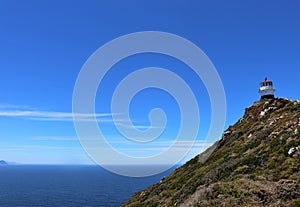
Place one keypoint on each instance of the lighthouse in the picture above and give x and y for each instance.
(266, 89)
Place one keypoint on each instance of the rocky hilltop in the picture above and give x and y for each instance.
(256, 163)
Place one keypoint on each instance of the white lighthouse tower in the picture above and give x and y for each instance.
(266, 89)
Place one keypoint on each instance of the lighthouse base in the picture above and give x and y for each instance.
(270, 96)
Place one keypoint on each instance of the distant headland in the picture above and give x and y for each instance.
(2, 162)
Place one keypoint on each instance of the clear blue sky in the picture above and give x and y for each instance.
(43, 45)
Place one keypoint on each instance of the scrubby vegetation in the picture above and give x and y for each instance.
(249, 167)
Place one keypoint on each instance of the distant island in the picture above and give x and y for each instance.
(2, 162)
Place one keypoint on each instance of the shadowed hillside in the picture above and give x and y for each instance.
(256, 163)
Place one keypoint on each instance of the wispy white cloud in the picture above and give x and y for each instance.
(54, 138)
(12, 106)
(158, 145)
(140, 126)
(166, 142)
(29, 113)
(62, 138)
(26, 112)
(36, 147)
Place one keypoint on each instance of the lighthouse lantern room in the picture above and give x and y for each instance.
(266, 89)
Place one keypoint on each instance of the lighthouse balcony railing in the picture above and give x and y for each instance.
(266, 87)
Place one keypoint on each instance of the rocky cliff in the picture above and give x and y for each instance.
(256, 163)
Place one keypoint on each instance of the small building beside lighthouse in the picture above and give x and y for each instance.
(266, 89)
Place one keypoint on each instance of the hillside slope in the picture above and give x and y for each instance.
(256, 163)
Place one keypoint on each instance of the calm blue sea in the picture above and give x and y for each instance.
(67, 186)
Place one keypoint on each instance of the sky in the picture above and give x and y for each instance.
(44, 45)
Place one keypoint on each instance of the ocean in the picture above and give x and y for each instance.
(67, 186)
